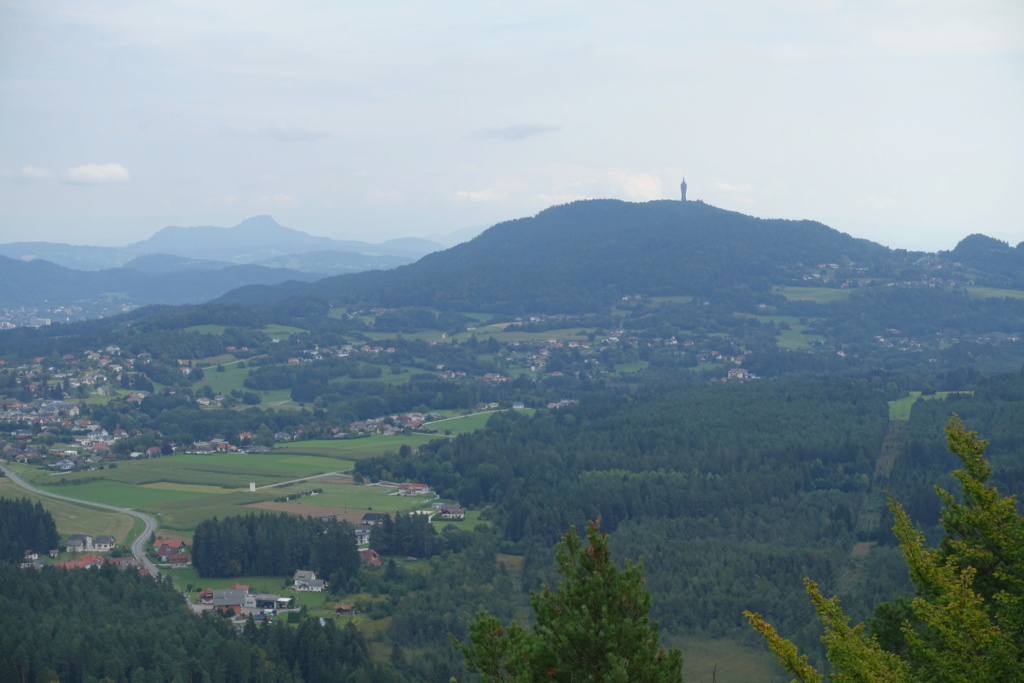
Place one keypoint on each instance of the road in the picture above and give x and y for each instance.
(138, 545)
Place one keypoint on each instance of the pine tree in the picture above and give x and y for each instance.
(966, 622)
(594, 627)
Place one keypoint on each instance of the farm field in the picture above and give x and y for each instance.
(355, 449)
(794, 338)
(821, 295)
(992, 292)
(72, 518)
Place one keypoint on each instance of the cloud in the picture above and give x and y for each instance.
(35, 173)
(489, 194)
(519, 132)
(278, 198)
(98, 174)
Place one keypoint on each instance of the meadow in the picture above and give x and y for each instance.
(821, 295)
(992, 292)
(71, 519)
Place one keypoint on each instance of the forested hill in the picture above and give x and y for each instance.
(577, 256)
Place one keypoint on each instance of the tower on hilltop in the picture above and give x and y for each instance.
(682, 189)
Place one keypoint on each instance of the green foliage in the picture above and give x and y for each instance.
(595, 627)
(25, 526)
(274, 545)
(966, 622)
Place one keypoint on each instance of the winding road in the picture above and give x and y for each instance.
(138, 545)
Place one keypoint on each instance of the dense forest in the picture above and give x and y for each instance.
(694, 482)
(113, 625)
(25, 526)
(268, 544)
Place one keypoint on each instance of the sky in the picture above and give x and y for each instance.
(899, 121)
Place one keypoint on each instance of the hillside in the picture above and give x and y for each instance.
(156, 281)
(576, 256)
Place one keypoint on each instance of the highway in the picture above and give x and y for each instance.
(138, 545)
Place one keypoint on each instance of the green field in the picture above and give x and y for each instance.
(72, 518)
(992, 292)
(794, 338)
(359, 497)
(900, 409)
(123, 495)
(282, 330)
(355, 449)
(821, 295)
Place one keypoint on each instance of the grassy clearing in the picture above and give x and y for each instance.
(705, 659)
(794, 338)
(992, 292)
(629, 368)
(282, 330)
(900, 408)
(672, 299)
(821, 295)
(72, 518)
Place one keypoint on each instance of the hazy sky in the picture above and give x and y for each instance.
(898, 121)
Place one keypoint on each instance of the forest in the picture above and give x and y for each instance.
(25, 526)
(267, 544)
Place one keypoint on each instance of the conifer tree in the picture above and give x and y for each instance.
(594, 627)
(966, 622)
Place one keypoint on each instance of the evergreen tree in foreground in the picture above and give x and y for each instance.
(594, 628)
(966, 622)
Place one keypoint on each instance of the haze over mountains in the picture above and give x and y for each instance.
(188, 265)
(575, 256)
(565, 258)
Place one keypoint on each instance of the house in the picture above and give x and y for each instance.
(307, 581)
(87, 561)
(453, 512)
(124, 562)
(179, 561)
(370, 557)
(363, 533)
(412, 489)
(103, 543)
(345, 609)
(372, 518)
(206, 596)
(175, 544)
(229, 600)
(78, 543)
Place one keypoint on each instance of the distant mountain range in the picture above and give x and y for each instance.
(188, 265)
(567, 258)
(259, 240)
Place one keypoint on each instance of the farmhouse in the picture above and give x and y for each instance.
(453, 512)
(412, 489)
(370, 557)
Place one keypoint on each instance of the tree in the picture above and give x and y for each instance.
(595, 627)
(966, 622)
